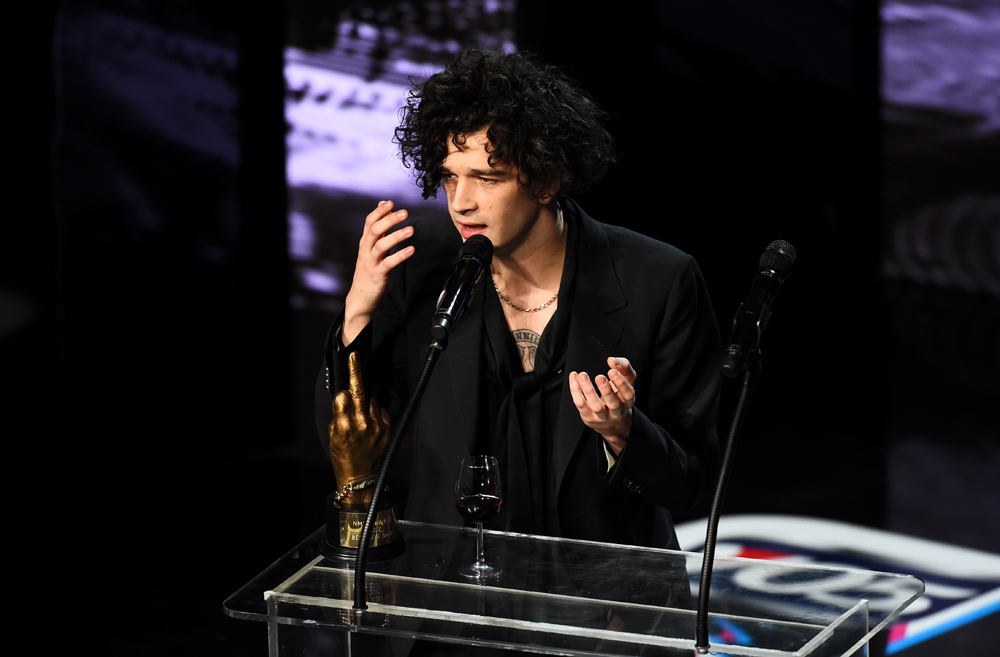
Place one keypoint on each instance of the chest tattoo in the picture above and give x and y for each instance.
(527, 344)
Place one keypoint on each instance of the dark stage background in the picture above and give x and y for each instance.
(163, 313)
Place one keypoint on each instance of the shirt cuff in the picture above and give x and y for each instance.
(607, 453)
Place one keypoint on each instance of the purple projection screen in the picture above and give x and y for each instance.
(344, 90)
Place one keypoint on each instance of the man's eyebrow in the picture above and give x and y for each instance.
(481, 172)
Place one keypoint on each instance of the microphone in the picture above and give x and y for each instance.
(473, 259)
(752, 316)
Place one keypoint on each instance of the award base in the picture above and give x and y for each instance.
(343, 531)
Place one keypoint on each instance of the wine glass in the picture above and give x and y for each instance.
(478, 495)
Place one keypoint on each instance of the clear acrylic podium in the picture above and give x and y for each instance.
(566, 597)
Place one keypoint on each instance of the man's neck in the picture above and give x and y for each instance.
(535, 266)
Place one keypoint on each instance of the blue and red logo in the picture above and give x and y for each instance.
(962, 585)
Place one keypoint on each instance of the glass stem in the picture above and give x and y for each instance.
(480, 557)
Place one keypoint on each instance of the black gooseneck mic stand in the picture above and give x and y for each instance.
(742, 355)
(360, 563)
(474, 257)
(750, 375)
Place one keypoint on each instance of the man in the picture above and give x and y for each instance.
(598, 458)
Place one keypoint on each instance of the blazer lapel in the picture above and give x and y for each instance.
(593, 337)
(447, 419)
(457, 379)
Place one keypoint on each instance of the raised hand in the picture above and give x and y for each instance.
(359, 435)
(607, 409)
(371, 273)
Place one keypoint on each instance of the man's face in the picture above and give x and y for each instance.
(485, 200)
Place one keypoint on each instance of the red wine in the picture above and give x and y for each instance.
(478, 508)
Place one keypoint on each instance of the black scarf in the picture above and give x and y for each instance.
(523, 407)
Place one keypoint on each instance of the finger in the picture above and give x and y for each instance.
(379, 222)
(399, 256)
(623, 366)
(383, 208)
(341, 403)
(576, 392)
(380, 420)
(593, 399)
(382, 227)
(385, 244)
(343, 408)
(608, 396)
(356, 384)
(625, 390)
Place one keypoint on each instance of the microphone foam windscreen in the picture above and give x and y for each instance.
(478, 247)
(779, 256)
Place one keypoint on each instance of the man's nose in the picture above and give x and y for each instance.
(463, 200)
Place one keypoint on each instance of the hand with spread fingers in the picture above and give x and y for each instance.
(375, 260)
(359, 436)
(607, 409)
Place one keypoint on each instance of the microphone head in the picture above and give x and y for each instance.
(479, 248)
(779, 256)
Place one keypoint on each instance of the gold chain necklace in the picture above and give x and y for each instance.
(523, 310)
(559, 221)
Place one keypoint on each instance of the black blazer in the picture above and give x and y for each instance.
(634, 297)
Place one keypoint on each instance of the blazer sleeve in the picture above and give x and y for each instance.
(384, 347)
(379, 354)
(672, 453)
(333, 374)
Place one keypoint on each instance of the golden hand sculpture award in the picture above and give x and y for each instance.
(359, 435)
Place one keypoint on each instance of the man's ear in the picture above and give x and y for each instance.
(553, 190)
(551, 193)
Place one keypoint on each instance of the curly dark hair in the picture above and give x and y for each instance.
(535, 119)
